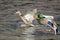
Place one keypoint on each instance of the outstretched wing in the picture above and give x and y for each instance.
(18, 12)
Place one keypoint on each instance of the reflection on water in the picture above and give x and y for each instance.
(29, 37)
(29, 30)
(28, 33)
(31, 34)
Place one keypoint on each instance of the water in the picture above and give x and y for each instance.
(10, 23)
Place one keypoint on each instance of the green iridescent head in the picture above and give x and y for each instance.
(41, 16)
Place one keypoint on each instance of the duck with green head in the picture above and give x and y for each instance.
(47, 20)
(39, 16)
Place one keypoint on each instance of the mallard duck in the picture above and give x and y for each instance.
(42, 19)
(47, 20)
